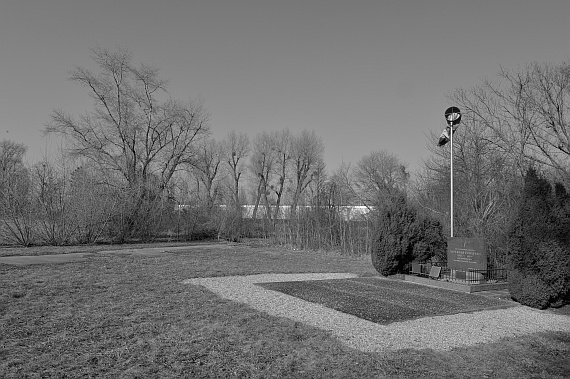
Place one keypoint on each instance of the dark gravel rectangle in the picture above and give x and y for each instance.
(384, 301)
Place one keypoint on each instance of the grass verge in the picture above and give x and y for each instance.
(129, 316)
(9, 251)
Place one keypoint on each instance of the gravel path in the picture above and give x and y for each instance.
(438, 333)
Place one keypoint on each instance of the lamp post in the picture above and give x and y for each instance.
(452, 118)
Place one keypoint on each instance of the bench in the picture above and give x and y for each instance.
(434, 272)
(416, 269)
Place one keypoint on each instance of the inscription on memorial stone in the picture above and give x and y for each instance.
(466, 253)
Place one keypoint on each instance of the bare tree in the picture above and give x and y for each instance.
(207, 169)
(17, 210)
(11, 158)
(342, 188)
(52, 182)
(307, 157)
(378, 177)
(282, 146)
(527, 111)
(135, 128)
(318, 187)
(262, 164)
(236, 149)
(11, 165)
(92, 203)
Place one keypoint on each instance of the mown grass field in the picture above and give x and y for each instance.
(131, 317)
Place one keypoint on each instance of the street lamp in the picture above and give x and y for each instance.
(452, 118)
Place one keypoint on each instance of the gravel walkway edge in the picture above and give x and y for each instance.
(438, 333)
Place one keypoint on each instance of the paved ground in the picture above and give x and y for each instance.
(39, 259)
(77, 257)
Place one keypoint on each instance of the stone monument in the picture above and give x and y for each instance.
(465, 255)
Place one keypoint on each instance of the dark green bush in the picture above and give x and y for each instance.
(428, 240)
(539, 251)
(528, 289)
(401, 236)
(553, 267)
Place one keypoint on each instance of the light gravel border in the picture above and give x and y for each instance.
(438, 332)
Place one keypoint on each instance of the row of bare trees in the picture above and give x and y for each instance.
(138, 154)
(66, 201)
(58, 202)
(62, 201)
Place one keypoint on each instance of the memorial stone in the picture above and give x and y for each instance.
(466, 253)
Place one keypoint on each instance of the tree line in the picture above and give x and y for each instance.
(141, 165)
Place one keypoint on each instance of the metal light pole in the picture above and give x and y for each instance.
(453, 118)
(451, 172)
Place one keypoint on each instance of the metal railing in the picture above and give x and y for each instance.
(471, 276)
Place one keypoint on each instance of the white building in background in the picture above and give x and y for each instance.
(346, 212)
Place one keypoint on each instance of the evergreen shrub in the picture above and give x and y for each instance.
(528, 289)
(539, 247)
(401, 235)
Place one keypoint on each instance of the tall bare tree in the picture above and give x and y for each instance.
(92, 203)
(527, 111)
(282, 146)
(262, 165)
(236, 149)
(207, 169)
(378, 177)
(307, 157)
(17, 208)
(52, 180)
(11, 165)
(341, 187)
(11, 158)
(135, 129)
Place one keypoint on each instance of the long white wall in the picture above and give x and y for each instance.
(347, 212)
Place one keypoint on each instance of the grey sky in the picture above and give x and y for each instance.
(365, 75)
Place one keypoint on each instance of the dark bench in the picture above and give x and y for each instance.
(416, 269)
(421, 269)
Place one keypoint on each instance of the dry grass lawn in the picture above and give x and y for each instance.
(124, 316)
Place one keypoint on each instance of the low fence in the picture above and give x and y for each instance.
(470, 276)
